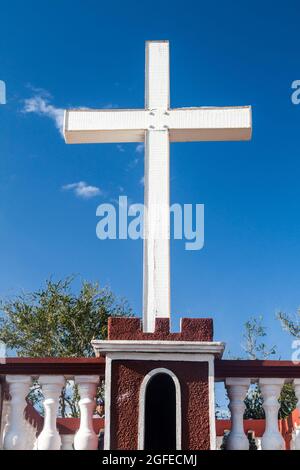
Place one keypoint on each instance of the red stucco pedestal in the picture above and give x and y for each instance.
(134, 358)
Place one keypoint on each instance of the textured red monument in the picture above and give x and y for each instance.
(159, 386)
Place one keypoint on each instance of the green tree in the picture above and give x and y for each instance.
(55, 321)
(255, 348)
(253, 345)
(289, 324)
(292, 326)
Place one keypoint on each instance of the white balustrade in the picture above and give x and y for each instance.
(270, 389)
(86, 438)
(17, 434)
(49, 439)
(237, 390)
(15, 437)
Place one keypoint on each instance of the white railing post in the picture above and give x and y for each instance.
(5, 420)
(237, 390)
(49, 439)
(270, 389)
(258, 443)
(219, 442)
(86, 438)
(15, 431)
(296, 440)
(67, 441)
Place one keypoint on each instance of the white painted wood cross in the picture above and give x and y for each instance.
(157, 125)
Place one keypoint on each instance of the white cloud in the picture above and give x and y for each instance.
(140, 147)
(38, 91)
(110, 106)
(83, 190)
(120, 148)
(142, 181)
(133, 163)
(39, 104)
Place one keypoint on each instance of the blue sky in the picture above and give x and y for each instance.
(61, 54)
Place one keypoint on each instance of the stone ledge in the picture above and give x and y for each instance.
(157, 349)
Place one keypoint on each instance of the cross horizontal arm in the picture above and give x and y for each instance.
(184, 124)
(104, 126)
(210, 124)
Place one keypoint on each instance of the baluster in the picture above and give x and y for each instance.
(258, 443)
(296, 440)
(67, 441)
(49, 439)
(15, 431)
(237, 390)
(219, 442)
(86, 438)
(31, 435)
(270, 389)
(5, 413)
(5, 420)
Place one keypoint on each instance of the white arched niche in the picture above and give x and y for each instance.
(142, 404)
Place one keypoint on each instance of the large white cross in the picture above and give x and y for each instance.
(157, 125)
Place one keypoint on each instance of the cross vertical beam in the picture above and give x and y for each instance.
(157, 75)
(156, 301)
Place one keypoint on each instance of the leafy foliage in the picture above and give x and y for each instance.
(253, 403)
(56, 322)
(255, 348)
(287, 400)
(289, 324)
(252, 344)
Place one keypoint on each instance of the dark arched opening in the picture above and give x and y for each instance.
(160, 413)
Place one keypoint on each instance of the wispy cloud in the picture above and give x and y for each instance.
(40, 104)
(140, 147)
(120, 148)
(133, 163)
(142, 181)
(110, 106)
(82, 189)
(38, 90)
